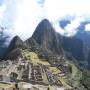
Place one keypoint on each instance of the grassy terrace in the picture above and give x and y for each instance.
(34, 58)
(54, 70)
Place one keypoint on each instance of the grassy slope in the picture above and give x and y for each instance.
(34, 58)
(86, 78)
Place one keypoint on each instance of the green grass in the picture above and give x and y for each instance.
(76, 73)
(34, 58)
(86, 78)
(54, 70)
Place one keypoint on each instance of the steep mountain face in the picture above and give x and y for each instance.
(89, 59)
(46, 37)
(14, 54)
(32, 44)
(84, 36)
(76, 48)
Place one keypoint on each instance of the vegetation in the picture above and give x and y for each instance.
(54, 70)
(76, 73)
(86, 78)
(34, 57)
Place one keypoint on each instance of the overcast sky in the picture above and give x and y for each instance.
(22, 16)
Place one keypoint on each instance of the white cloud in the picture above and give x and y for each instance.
(59, 8)
(24, 15)
(58, 28)
(28, 16)
(21, 17)
(2, 10)
(71, 29)
(87, 27)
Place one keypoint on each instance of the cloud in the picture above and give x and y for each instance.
(56, 9)
(22, 16)
(2, 10)
(71, 29)
(87, 27)
(10, 13)
(76, 11)
(29, 15)
(41, 2)
(3, 37)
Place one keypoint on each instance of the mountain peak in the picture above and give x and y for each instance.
(43, 31)
(16, 42)
(44, 25)
(45, 21)
(16, 37)
(46, 37)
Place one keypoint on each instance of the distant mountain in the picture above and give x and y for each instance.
(14, 48)
(76, 47)
(84, 36)
(16, 42)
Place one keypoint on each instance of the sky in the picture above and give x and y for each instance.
(21, 17)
